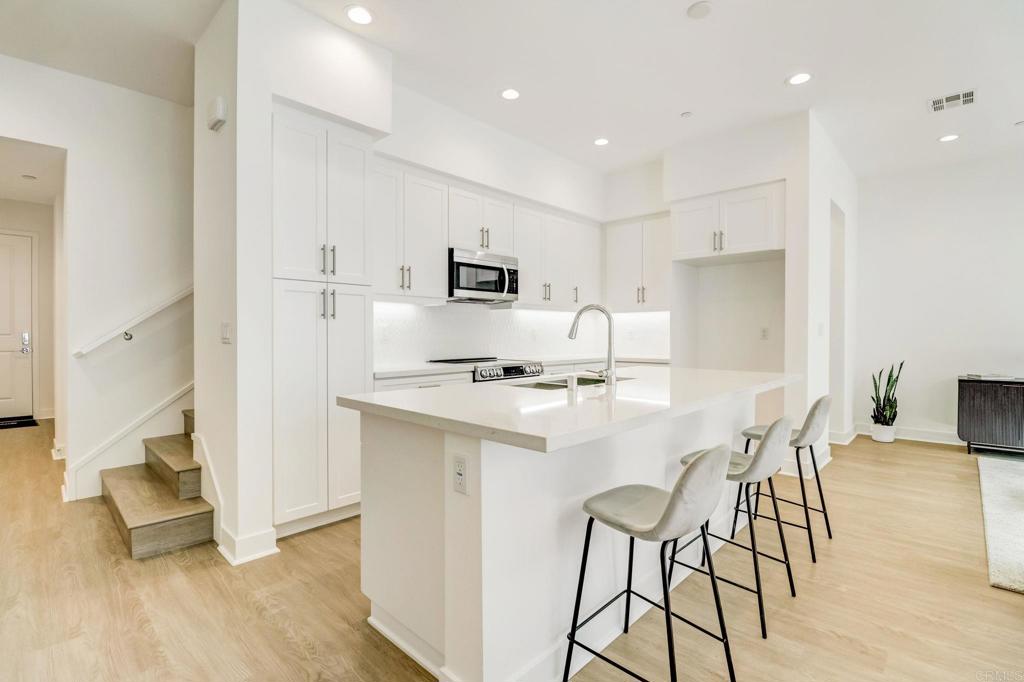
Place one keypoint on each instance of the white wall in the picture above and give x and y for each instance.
(939, 280)
(37, 219)
(430, 134)
(634, 191)
(406, 334)
(216, 439)
(127, 233)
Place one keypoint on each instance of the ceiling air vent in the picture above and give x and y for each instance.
(958, 99)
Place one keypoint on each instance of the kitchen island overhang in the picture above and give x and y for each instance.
(471, 502)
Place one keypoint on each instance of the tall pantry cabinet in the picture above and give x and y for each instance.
(322, 311)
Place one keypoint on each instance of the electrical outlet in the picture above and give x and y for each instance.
(459, 476)
(227, 331)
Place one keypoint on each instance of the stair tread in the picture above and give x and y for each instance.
(142, 498)
(175, 451)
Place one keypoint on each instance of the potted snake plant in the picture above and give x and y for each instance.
(884, 399)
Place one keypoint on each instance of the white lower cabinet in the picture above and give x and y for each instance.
(321, 350)
(422, 381)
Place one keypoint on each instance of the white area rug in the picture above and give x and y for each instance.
(1002, 502)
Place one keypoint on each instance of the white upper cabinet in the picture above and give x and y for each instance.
(384, 216)
(638, 272)
(319, 183)
(426, 237)
(741, 221)
(624, 274)
(300, 195)
(529, 230)
(479, 223)
(558, 259)
(587, 263)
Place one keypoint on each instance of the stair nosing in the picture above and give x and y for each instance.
(156, 444)
(179, 508)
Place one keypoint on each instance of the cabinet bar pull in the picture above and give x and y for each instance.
(408, 268)
(401, 275)
(575, 294)
(323, 301)
(323, 259)
(721, 240)
(481, 236)
(334, 304)
(638, 294)
(428, 386)
(487, 233)
(643, 294)
(334, 260)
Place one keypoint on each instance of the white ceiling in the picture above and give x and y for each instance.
(44, 162)
(144, 45)
(622, 70)
(625, 70)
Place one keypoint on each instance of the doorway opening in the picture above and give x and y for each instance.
(31, 302)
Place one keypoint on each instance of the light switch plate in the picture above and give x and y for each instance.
(226, 332)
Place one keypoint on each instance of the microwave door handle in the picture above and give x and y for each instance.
(505, 271)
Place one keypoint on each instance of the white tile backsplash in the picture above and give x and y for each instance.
(404, 333)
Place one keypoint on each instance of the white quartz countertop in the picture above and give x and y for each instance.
(549, 420)
(418, 369)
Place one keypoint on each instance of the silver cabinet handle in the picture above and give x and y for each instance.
(481, 236)
(714, 241)
(323, 259)
(643, 294)
(323, 301)
(487, 233)
(575, 294)
(721, 240)
(638, 294)
(334, 304)
(428, 386)
(401, 277)
(408, 269)
(334, 260)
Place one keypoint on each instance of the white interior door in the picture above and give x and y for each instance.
(347, 234)
(299, 195)
(350, 371)
(300, 399)
(15, 326)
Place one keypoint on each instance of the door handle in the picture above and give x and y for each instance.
(323, 259)
(323, 300)
(334, 304)
(334, 260)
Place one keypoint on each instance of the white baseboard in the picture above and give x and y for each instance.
(840, 438)
(317, 520)
(945, 437)
(242, 550)
(44, 413)
(57, 453)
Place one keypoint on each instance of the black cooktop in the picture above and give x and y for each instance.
(464, 361)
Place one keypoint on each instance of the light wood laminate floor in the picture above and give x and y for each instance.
(900, 594)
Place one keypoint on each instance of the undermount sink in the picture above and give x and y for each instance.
(556, 384)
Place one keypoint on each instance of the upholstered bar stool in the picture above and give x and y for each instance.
(750, 470)
(656, 515)
(806, 437)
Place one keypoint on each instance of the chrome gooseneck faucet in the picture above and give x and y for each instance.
(608, 373)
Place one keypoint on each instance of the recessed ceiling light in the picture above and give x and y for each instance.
(949, 138)
(600, 142)
(686, 114)
(798, 78)
(699, 10)
(359, 15)
(26, 176)
(510, 94)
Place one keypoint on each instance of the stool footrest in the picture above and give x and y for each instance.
(609, 661)
(792, 502)
(717, 577)
(742, 546)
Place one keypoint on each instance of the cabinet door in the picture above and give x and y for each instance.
(349, 367)
(499, 235)
(465, 220)
(751, 218)
(347, 234)
(992, 413)
(588, 264)
(657, 283)
(694, 228)
(558, 261)
(300, 399)
(386, 225)
(426, 237)
(529, 226)
(299, 195)
(624, 257)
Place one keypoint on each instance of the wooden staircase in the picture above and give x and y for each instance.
(157, 505)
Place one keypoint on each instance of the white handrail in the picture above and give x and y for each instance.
(135, 321)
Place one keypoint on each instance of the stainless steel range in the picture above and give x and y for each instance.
(497, 369)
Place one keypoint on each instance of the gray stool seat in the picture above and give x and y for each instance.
(738, 464)
(757, 433)
(631, 509)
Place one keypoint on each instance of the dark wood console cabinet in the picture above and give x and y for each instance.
(991, 413)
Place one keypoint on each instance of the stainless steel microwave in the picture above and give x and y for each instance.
(480, 277)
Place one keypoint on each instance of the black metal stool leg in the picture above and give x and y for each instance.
(629, 583)
(757, 501)
(757, 567)
(718, 603)
(704, 527)
(736, 511)
(579, 598)
(782, 537)
(821, 493)
(807, 511)
(672, 565)
(668, 615)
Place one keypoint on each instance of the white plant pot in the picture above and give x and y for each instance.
(883, 434)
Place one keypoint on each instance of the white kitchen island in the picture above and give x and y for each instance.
(479, 585)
